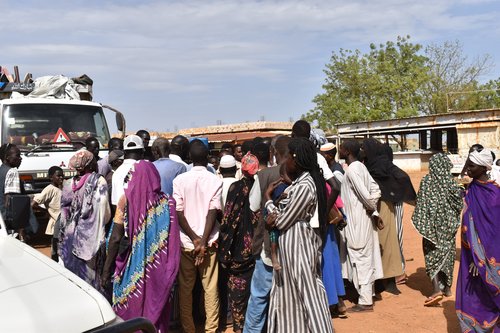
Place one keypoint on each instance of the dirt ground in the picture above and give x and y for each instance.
(404, 312)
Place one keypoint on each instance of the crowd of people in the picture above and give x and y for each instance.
(275, 232)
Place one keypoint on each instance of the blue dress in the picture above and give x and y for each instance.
(331, 269)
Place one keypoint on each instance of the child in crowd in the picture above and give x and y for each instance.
(215, 161)
(50, 198)
(278, 195)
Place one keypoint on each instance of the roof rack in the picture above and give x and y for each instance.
(7, 88)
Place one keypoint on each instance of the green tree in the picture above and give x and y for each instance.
(400, 79)
(490, 95)
(382, 84)
(450, 74)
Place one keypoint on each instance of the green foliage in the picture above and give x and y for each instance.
(453, 80)
(399, 79)
(477, 97)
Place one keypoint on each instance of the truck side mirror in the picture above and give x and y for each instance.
(120, 121)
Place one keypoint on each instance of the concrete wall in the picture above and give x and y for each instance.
(487, 134)
(411, 161)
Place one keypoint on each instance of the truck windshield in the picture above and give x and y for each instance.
(32, 125)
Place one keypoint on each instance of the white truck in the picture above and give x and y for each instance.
(39, 295)
(49, 130)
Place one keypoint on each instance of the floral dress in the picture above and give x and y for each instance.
(437, 217)
(235, 247)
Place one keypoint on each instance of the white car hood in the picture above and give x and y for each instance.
(39, 295)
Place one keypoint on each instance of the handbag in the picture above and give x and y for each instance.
(335, 216)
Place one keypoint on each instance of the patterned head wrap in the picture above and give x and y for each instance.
(483, 158)
(249, 165)
(440, 166)
(437, 213)
(80, 160)
(318, 137)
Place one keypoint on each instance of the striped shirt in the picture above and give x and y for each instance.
(12, 183)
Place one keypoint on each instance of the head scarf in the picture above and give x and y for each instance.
(439, 202)
(249, 165)
(317, 137)
(483, 158)
(394, 183)
(145, 273)
(80, 160)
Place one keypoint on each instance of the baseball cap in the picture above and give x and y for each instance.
(115, 155)
(227, 161)
(132, 142)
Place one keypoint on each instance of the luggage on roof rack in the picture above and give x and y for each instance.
(50, 87)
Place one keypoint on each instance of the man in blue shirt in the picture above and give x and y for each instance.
(167, 168)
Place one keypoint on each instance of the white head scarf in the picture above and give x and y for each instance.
(483, 158)
(318, 137)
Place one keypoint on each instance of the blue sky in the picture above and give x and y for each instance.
(176, 64)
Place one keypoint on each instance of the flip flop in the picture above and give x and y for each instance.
(360, 308)
(431, 301)
(403, 280)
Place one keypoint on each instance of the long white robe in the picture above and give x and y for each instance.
(360, 252)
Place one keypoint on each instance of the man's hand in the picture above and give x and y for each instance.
(377, 221)
(197, 243)
(199, 251)
(199, 254)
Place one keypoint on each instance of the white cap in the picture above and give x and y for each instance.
(227, 161)
(133, 142)
(327, 146)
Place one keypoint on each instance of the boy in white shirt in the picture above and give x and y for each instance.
(50, 198)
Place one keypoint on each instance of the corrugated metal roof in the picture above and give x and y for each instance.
(239, 137)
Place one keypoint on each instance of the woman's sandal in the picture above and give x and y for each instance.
(433, 300)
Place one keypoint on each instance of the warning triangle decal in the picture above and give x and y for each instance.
(61, 136)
